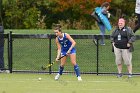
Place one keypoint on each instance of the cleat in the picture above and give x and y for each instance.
(129, 75)
(57, 77)
(119, 75)
(79, 78)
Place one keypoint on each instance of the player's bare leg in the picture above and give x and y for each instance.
(61, 68)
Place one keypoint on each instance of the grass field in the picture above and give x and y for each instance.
(29, 83)
(50, 31)
(30, 54)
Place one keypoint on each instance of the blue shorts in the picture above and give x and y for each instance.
(63, 52)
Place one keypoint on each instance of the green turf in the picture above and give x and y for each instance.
(29, 83)
(50, 31)
(31, 54)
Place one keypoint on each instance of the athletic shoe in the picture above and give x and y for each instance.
(129, 75)
(79, 78)
(119, 75)
(57, 77)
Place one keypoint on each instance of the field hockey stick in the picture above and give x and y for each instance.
(49, 65)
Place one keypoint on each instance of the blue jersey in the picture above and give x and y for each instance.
(65, 45)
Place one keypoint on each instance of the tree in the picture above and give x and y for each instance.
(21, 13)
(24, 13)
(75, 10)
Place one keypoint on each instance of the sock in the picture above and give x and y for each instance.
(61, 70)
(77, 70)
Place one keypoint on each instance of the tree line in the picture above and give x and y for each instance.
(71, 14)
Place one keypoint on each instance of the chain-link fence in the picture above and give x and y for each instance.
(28, 53)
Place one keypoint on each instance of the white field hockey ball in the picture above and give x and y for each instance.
(39, 79)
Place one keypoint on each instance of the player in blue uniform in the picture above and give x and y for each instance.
(66, 46)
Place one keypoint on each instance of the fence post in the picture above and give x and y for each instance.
(1, 47)
(50, 70)
(97, 54)
(10, 49)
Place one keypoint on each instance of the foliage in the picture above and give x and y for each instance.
(41, 23)
(75, 14)
(20, 13)
(76, 11)
(31, 17)
(125, 8)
